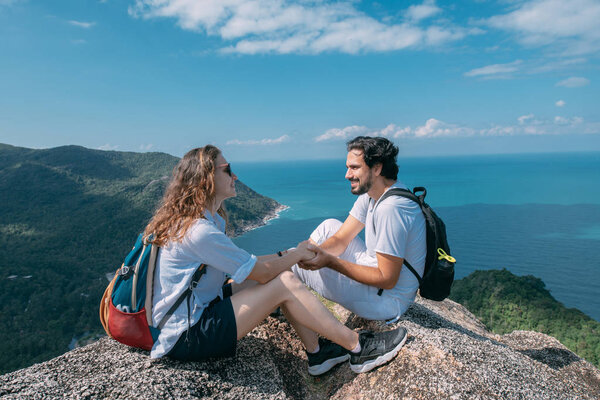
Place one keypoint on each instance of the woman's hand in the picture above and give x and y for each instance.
(320, 260)
(304, 252)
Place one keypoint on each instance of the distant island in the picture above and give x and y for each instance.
(68, 217)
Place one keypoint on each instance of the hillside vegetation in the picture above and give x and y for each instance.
(505, 302)
(68, 217)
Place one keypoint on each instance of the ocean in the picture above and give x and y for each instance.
(533, 214)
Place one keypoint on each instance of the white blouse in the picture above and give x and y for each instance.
(204, 243)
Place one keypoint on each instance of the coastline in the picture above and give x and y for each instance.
(271, 215)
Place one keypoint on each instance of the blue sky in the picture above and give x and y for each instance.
(277, 79)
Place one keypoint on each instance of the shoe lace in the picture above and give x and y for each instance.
(373, 342)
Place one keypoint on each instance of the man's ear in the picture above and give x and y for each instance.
(376, 169)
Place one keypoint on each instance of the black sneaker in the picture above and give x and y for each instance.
(377, 348)
(328, 356)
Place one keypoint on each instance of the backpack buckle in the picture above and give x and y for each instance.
(125, 271)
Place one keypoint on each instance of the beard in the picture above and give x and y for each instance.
(362, 188)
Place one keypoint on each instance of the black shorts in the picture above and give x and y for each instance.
(214, 335)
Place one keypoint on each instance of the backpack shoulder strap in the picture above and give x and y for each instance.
(411, 196)
(395, 192)
(150, 283)
(400, 192)
(197, 275)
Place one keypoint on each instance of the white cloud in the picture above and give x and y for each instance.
(108, 146)
(560, 120)
(530, 125)
(261, 142)
(432, 125)
(81, 24)
(393, 130)
(525, 68)
(78, 41)
(436, 128)
(568, 121)
(498, 130)
(344, 133)
(560, 103)
(305, 27)
(433, 128)
(557, 65)
(422, 11)
(572, 26)
(494, 70)
(525, 118)
(146, 147)
(574, 82)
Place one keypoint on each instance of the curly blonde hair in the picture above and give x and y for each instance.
(190, 192)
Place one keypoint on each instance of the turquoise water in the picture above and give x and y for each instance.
(532, 214)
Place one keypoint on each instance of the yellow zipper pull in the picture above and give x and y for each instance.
(445, 256)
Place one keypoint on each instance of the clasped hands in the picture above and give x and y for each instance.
(313, 257)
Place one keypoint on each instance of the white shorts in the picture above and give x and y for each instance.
(357, 297)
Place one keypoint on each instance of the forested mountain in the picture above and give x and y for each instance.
(68, 216)
(505, 302)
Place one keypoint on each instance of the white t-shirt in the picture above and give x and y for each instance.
(204, 243)
(400, 232)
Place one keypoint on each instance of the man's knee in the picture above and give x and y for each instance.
(325, 230)
(331, 223)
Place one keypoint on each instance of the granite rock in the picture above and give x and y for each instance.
(449, 355)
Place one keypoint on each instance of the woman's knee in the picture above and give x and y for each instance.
(290, 281)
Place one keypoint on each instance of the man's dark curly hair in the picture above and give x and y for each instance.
(377, 150)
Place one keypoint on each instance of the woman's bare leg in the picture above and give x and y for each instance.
(306, 312)
(238, 287)
(307, 336)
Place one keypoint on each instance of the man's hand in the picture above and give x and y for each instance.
(320, 260)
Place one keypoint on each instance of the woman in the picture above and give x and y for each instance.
(189, 228)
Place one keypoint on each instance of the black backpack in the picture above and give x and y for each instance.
(439, 265)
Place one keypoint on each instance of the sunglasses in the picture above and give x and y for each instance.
(227, 168)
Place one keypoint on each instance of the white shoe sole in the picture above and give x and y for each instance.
(369, 365)
(327, 365)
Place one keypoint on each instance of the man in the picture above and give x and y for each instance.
(352, 272)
